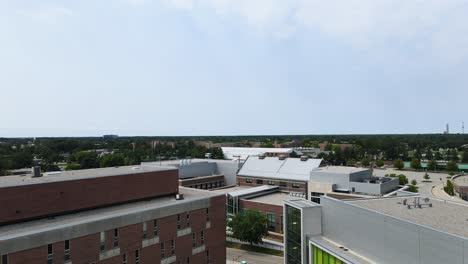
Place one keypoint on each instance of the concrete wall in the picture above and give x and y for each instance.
(340, 180)
(19, 203)
(386, 239)
(228, 169)
(197, 169)
(374, 188)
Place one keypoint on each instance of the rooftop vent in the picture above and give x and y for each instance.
(282, 157)
(261, 157)
(36, 171)
(304, 158)
(179, 196)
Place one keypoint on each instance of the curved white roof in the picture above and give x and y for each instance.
(273, 167)
(244, 153)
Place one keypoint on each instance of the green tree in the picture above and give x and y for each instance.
(86, 159)
(402, 179)
(452, 166)
(380, 163)
(465, 156)
(112, 160)
(365, 162)
(415, 164)
(432, 165)
(414, 182)
(398, 164)
(426, 176)
(412, 188)
(72, 166)
(249, 226)
(449, 188)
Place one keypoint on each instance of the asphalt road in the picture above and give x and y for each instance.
(235, 256)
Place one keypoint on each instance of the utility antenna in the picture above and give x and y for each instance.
(463, 127)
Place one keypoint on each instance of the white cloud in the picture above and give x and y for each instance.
(49, 15)
(438, 24)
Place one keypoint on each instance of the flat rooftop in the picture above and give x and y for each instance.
(47, 177)
(276, 198)
(444, 215)
(230, 189)
(58, 222)
(339, 169)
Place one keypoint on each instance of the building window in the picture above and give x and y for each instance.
(172, 247)
(315, 197)
(178, 222)
(116, 237)
(202, 237)
(271, 222)
(4, 259)
(194, 240)
(162, 250)
(102, 241)
(207, 256)
(259, 181)
(281, 226)
(188, 220)
(144, 230)
(296, 185)
(248, 180)
(293, 236)
(271, 182)
(188, 260)
(283, 184)
(50, 254)
(67, 256)
(124, 258)
(137, 256)
(155, 228)
(207, 214)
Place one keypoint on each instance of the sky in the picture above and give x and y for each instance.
(232, 67)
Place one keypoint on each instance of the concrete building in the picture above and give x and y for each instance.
(235, 153)
(290, 174)
(134, 214)
(338, 180)
(378, 230)
(203, 173)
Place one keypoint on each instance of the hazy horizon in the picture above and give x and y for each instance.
(225, 67)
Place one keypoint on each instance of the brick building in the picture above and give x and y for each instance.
(112, 215)
(290, 174)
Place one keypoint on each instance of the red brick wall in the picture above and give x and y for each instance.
(86, 249)
(265, 208)
(302, 185)
(38, 200)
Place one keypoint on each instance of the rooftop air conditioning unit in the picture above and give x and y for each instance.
(36, 171)
(282, 157)
(304, 158)
(261, 157)
(179, 196)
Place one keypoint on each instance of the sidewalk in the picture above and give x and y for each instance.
(439, 192)
(235, 256)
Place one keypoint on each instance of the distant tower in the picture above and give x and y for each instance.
(447, 131)
(463, 127)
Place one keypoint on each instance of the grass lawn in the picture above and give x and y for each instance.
(255, 249)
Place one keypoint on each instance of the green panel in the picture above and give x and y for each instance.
(319, 256)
